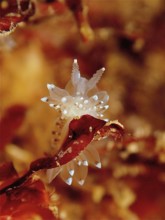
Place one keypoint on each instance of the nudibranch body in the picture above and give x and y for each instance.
(80, 97)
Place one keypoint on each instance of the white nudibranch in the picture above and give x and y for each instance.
(80, 97)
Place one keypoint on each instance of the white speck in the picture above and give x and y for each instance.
(69, 150)
(106, 106)
(85, 163)
(75, 61)
(80, 105)
(90, 128)
(50, 86)
(81, 98)
(98, 165)
(69, 181)
(101, 115)
(44, 99)
(65, 111)
(95, 97)
(81, 182)
(79, 162)
(61, 154)
(52, 105)
(64, 99)
(103, 69)
(57, 107)
(71, 172)
(106, 119)
(86, 101)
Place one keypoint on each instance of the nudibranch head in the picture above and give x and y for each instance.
(79, 97)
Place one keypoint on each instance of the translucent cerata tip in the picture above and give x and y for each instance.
(50, 86)
(44, 99)
(75, 61)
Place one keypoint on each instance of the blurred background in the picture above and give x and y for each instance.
(127, 37)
